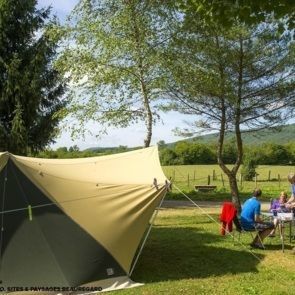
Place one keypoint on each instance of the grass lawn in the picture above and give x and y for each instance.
(187, 176)
(186, 255)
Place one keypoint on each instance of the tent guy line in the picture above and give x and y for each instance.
(49, 204)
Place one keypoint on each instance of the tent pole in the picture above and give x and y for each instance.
(147, 234)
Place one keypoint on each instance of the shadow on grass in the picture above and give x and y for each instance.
(183, 253)
(278, 246)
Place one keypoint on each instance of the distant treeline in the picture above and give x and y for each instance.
(190, 153)
(74, 152)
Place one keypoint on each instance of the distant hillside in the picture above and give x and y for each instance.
(111, 150)
(284, 135)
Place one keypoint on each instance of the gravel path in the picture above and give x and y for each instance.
(202, 204)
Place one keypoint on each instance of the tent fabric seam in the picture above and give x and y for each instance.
(54, 203)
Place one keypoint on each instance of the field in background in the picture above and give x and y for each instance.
(185, 254)
(271, 179)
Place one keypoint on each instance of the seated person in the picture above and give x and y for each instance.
(250, 219)
(278, 205)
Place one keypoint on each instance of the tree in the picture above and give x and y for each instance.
(249, 165)
(74, 149)
(236, 79)
(30, 89)
(192, 153)
(112, 59)
(273, 154)
(291, 149)
(161, 144)
(168, 157)
(226, 12)
(229, 152)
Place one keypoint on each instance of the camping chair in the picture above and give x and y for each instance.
(240, 230)
(228, 216)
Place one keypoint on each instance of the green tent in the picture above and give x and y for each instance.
(75, 222)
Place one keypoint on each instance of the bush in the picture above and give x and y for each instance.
(249, 166)
(167, 157)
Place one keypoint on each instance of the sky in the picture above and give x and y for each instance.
(131, 136)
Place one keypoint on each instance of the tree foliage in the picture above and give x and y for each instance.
(249, 165)
(184, 153)
(112, 57)
(188, 153)
(235, 79)
(227, 12)
(30, 89)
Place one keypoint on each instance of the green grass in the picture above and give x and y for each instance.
(186, 255)
(186, 177)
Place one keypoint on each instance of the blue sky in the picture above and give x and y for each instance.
(132, 136)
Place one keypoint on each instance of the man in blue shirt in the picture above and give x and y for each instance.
(250, 219)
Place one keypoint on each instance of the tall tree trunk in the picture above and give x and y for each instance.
(234, 190)
(148, 116)
(232, 177)
(144, 90)
(231, 174)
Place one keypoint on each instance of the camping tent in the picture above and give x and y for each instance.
(75, 222)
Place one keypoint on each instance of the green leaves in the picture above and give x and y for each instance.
(18, 130)
(251, 12)
(30, 89)
(112, 55)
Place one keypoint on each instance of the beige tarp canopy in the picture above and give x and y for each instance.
(111, 198)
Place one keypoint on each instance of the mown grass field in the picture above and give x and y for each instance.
(186, 255)
(271, 179)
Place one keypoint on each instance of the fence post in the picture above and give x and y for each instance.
(222, 180)
(173, 175)
(194, 174)
(279, 178)
(209, 180)
(188, 179)
(255, 180)
(213, 175)
(269, 172)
